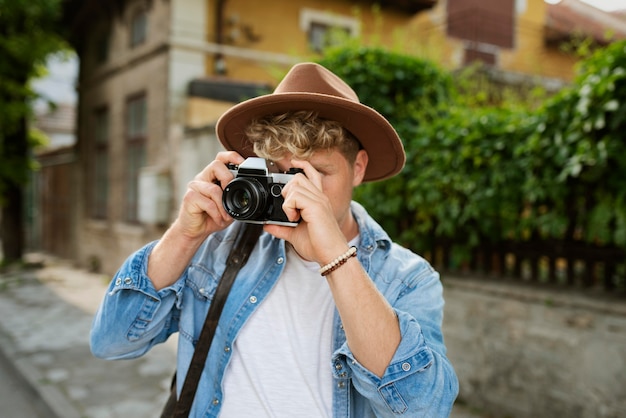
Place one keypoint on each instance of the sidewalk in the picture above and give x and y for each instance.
(45, 317)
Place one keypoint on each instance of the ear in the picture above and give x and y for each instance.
(360, 165)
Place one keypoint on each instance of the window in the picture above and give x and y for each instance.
(99, 189)
(322, 36)
(136, 130)
(324, 29)
(138, 28)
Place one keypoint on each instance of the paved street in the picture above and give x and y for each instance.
(18, 399)
(45, 317)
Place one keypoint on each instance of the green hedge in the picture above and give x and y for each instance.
(479, 174)
(574, 161)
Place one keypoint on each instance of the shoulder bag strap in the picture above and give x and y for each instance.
(246, 239)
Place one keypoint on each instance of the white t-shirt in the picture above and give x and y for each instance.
(280, 366)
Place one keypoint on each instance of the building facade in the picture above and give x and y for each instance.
(155, 75)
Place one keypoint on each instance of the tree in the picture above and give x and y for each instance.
(30, 30)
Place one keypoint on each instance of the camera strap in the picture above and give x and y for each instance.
(246, 239)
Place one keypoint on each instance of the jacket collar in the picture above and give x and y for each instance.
(372, 235)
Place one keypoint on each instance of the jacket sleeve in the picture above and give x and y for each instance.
(133, 316)
(419, 381)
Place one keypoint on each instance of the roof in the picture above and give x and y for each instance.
(570, 18)
(60, 119)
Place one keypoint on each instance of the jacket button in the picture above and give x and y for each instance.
(406, 367)
(253, 299)
(280, 260)
(216, 401)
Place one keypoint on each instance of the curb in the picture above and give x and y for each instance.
(53, 402)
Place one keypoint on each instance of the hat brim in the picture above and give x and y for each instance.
(372, 130)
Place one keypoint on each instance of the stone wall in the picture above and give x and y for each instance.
(522, 351)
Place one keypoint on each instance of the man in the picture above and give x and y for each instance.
(327, 318)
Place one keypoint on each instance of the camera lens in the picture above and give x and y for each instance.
(241, 199)
(245, 198)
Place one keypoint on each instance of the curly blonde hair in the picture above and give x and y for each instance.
(299, 133)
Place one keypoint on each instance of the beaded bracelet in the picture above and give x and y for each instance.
(338, 262)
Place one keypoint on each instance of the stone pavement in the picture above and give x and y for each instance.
(45, 317)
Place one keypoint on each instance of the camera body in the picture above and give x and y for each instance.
(254, 195)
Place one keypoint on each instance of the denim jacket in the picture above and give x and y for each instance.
(419, 381)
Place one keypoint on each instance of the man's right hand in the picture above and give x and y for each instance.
(201, 213)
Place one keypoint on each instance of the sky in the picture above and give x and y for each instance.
(607, 5)
(59, 84)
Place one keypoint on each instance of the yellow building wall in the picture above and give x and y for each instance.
(529, 56)
(277, 24)
(281, 41)
(526, 55)
(427, 32)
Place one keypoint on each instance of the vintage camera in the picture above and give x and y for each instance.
(254, 195)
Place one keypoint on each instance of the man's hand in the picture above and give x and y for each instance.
(202, 212)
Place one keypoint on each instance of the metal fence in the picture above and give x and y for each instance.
(568, 264)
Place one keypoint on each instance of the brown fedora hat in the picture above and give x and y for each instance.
(309, 86)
